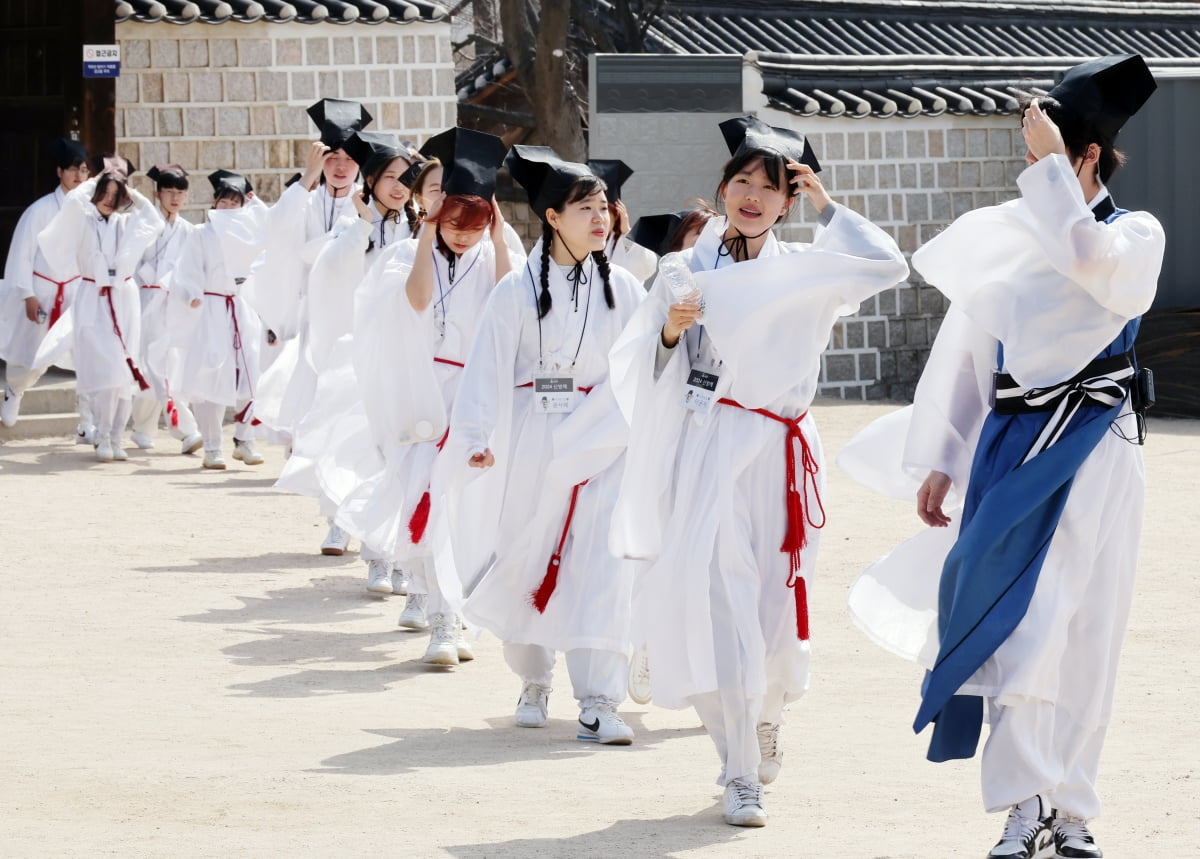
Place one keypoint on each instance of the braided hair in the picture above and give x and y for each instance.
(582, 188)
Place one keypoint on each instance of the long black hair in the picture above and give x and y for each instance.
(580, 189)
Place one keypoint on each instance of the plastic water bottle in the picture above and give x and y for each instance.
(673, 269)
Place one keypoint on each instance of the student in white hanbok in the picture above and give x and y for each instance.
(219, 337)
(1023, 414)
(334, 282)
(621, 248)
(428, 327)
(304, 218)
(533, 458)
(95, 235)
(33, 297)
(723, 479)
(154, 276)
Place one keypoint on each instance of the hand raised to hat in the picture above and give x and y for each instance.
(1042, 136)
(497, 223)
(805, 181)
(314, 164)
(622, 217)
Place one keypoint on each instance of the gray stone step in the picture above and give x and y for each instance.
(53, 425)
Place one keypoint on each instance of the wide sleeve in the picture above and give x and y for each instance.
(653, 407)
(274, 287)
(1116, 263)
(61, 240)
(641, 262)
(22, 256)
(336, 271)
(142, 226)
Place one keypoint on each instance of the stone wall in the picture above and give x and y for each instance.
(234, 96)
(909, 176)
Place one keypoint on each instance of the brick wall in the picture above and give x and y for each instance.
(909, 176)
(233, 96)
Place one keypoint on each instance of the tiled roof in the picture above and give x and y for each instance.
(487, 70)
(883, 58)
(280, 12)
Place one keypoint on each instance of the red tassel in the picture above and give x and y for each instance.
(172, 412)
(541, 597)
(420, 519)
(801, 609)
(137, 375)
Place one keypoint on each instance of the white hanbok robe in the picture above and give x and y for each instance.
(80, 239)
(28, 274)
(499, 527)
(704, 497)
(298, 227)
(155, 276)
(641, 262)
(1043, 277)
(218, 342)
(380, 473)
(334, 284)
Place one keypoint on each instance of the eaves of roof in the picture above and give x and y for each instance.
(281, 11)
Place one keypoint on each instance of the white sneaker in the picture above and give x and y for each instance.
(465, 653)
(744, 803)
(379, 577)
(192, 443)
(118, 452)
(1027, 833)
(443, 635)
(335, 541)
(413, 616)
(600, 723)
(214, 460)
(85, 434)
(1072, 840)
(531, 706)
(399, 581)
(772, 754)
(639, 677)
(244, 450)
(104, 451)
(143, 441)
(10, 408)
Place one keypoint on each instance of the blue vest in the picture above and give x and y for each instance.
(1009, 516)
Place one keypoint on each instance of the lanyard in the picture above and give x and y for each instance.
(700, 328)
(443, 294)
(586, 309)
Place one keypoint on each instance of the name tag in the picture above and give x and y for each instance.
(700, 392)
(554, 394)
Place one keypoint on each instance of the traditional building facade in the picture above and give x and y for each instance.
(234, 96)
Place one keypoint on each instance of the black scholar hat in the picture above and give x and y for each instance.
(66, 152)
(614, 173)
(469, 159)
(337, 119)
(749, 132)
(159, 172)
(654, 232)
(370, 149)
(1106, 92)
(545, 177)
(227, 180)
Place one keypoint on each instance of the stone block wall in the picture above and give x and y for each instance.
(911, 177)
(234, 96)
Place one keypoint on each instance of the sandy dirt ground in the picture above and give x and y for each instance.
(181, 674)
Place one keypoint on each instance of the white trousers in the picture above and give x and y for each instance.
(1037, 748)
(210, 416)
(596, 675)
(21, 379)
(110, 411)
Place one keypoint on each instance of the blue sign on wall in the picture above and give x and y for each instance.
(101, 61)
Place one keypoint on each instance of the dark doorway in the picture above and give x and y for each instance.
(43, 94)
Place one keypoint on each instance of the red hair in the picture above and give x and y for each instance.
(464, 212)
